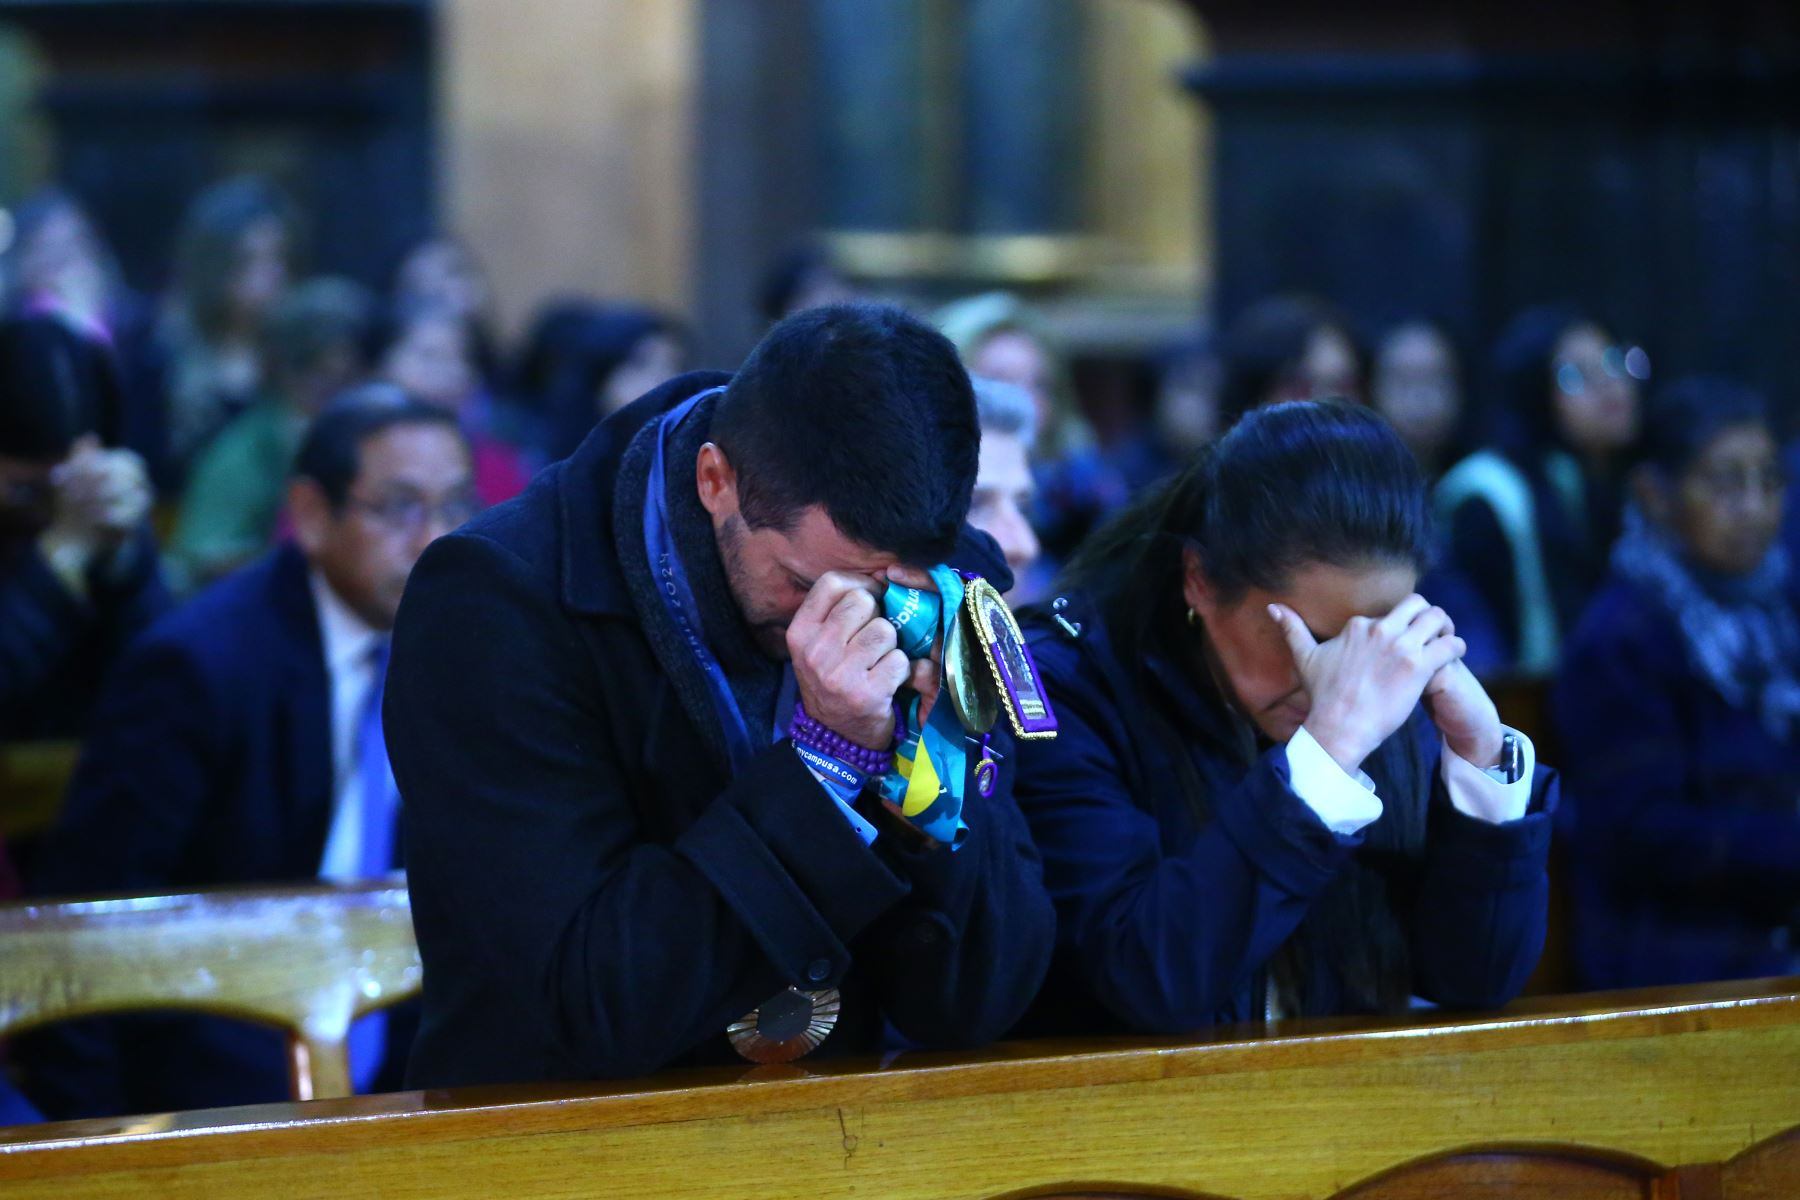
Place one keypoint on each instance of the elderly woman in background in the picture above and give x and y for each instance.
(1679, 703)
(1001, 338)
(79, 572)
(1004, 488)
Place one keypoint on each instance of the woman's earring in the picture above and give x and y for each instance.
(1193, 617)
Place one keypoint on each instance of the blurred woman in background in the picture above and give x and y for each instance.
(202, 364)
(58, 263)
(999, 337)
(1417, 385)
(1679, 701)
(586, 360)
(428, 353)
(1529, 522)
(442, 273)
(1288, 348)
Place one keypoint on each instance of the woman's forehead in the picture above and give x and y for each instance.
(1327, 596)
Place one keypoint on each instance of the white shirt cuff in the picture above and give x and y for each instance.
(1477, 794)
(1345, 803)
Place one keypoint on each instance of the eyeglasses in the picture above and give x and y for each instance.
(1616, 362)
(410, 514)
(1735, 483)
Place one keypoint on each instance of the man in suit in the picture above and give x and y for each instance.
(239, 743)
(599, 696)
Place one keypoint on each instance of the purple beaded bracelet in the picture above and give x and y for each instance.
(809, 733)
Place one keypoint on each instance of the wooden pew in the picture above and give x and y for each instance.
(1671, 1095)
(307, 960)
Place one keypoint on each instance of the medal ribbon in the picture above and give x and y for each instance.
(930, 762)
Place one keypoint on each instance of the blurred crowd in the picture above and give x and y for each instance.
(210, 500)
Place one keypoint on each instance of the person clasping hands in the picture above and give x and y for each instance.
(100, 499)
(1365, 682)
(79, 571)
(1278, 790)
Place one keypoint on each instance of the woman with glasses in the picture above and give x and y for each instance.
(1529, 521)
(1679, 705)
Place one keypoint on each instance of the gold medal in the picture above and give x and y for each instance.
(965, 678)
(786, 1026)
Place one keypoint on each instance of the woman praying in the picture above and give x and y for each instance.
(1276, 791)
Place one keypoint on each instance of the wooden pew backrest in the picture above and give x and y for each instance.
(305, 960)
(1689, 1094)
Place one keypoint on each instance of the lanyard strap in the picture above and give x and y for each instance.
(678, 594)
(930, 761)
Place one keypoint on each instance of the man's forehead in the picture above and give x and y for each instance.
(422, 457)
(815, 545)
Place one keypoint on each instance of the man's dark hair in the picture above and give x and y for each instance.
(56, 384)
(864, 410)
(331, 454)
(1683, 418)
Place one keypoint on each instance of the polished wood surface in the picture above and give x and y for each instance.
(306, 960)
(1667, 1094)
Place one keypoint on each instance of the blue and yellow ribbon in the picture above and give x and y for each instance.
(930, 762)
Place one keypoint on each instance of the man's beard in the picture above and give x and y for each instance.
(767, 629)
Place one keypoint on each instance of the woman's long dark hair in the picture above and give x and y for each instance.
(575, 346)
(1290, 485)
(206, 253)
(1522, 411)
(1265, 345)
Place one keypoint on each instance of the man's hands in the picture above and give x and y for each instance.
(1365, 682)
(847, 662)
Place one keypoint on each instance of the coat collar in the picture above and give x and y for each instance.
(593, 583)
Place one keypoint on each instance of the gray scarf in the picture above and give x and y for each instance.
(1740, 632)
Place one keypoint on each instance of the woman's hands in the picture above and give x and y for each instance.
(1465, 715)
(1365, 682)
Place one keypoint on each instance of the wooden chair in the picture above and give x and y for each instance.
(306, 960)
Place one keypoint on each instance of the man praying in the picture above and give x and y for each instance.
(598, 705)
